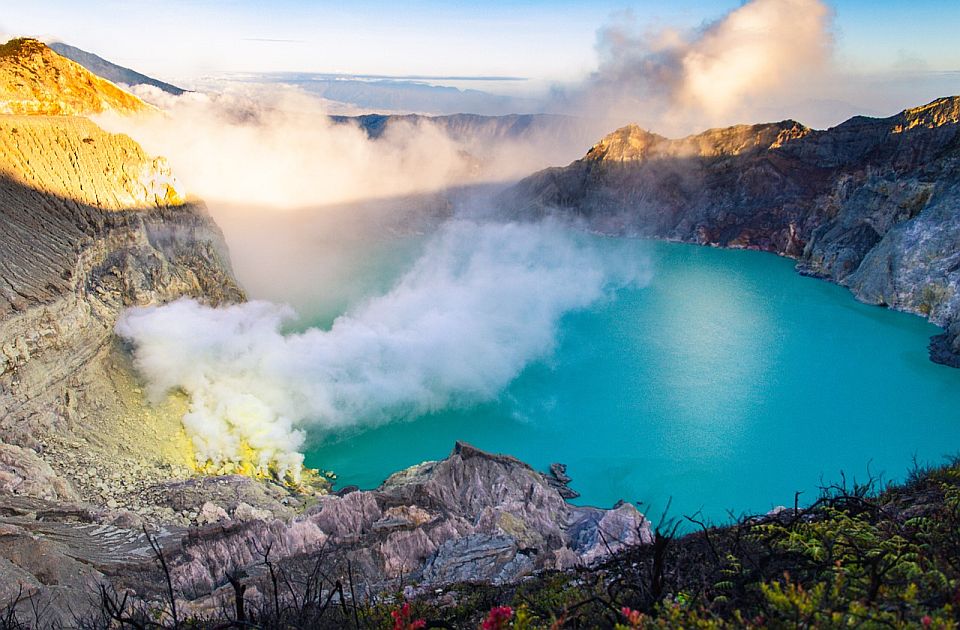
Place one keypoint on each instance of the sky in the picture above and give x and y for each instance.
(548, 40)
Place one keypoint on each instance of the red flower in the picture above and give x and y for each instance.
(401, 619)
(498, 618)
(634, 617)
(926, 621)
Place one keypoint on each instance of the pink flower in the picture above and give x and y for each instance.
(401, 619)
(498, 618)
(634, 617)
(926, 621)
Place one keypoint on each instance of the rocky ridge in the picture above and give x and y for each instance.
(873, 204)
(111, 71)
(36, 80)
(474, 517)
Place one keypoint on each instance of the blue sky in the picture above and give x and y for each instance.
(540, 39)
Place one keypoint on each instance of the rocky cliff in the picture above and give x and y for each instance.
(472, 517)
(873, 204)
(88, 226)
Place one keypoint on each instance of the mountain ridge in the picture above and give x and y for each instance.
(870, 203)
(111, 71)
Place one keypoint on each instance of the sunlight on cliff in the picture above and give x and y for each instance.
(74, 159)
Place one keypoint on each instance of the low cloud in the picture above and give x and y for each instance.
(276, 147)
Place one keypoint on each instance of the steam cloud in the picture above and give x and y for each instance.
(762, 55)
(275, 146)
(482, 302)
(278, 148)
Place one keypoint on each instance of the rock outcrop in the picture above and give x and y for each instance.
(473, 516)
(36, 80)
(873, 204)
(89, 225)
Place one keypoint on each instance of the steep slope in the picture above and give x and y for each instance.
(36, 80)
(873, 204)
(89, 225)
(109, 70)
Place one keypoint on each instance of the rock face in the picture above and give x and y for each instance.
(36, 80)
(473, 516)
(873, 204)
(88, 226)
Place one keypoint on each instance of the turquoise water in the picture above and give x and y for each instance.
(727, 384)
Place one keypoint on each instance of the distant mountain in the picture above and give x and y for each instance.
(401, 94)
(476, 126)
(36, 80)
(111, 71)
(525, 141)
(870, 204)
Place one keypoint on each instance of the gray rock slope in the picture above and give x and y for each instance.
(873, 204)
(111, 71)
(473, 516)
(88, 226)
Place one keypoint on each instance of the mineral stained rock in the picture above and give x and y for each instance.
(473, 516)
(90, 225)
(36, 80)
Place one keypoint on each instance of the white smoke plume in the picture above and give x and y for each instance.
(761, 56)
(483, 302)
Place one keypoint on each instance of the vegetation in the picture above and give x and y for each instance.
(859, 557)
(19, 46)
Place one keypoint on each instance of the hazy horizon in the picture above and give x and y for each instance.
(530, 38)
(816, 61)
